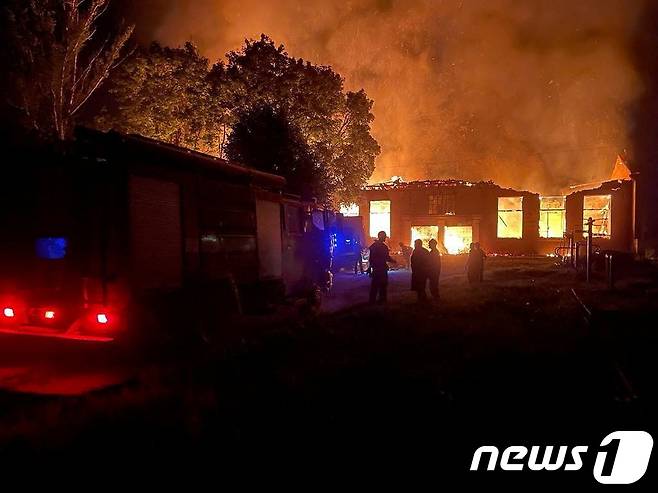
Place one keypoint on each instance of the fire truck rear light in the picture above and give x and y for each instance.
(101, 318)
(8, 312)
(49, 314)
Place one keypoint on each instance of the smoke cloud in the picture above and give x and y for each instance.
(532, 94)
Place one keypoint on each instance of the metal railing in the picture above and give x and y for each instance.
(573, 251)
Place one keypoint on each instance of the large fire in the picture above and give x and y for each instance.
(424, 233)
(457, 239)
(531, 95)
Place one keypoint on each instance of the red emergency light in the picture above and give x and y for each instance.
(102, 318)
(49, 314)
(8, 312)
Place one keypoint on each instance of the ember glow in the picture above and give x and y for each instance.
(457, 239)
(424, 233)
(532, 95)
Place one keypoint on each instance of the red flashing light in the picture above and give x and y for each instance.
(101, 318)
(8, 312)
(49, 314)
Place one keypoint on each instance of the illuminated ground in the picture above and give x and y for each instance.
(52, 367)
(509, 361)
(41, 365)
(352, 290)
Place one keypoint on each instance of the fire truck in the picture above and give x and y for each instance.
(351, 251)
(117, 234)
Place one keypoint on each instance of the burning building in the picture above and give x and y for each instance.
(503, 220)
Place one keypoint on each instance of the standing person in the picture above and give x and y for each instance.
(475, 264)
(406, 253)
(379, 259)
(434, 269)
(483, 256)
(419, 266)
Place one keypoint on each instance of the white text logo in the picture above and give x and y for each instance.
(622, 458)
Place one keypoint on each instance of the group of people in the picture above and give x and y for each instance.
(425, 267)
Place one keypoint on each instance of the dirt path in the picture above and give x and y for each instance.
(350, 289)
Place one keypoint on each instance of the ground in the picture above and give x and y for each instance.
(352, 290)
(516, 359)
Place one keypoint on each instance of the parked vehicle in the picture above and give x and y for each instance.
(119, 234)
(350, 245)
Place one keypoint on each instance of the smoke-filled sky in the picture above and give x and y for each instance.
(529, 93)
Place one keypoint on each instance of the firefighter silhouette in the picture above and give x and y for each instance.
(379, 260)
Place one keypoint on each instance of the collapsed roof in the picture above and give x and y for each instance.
(400, 184)
(620, 172)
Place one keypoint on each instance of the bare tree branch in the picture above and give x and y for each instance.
(61, 62)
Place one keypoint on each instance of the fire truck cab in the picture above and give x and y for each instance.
(113, 231)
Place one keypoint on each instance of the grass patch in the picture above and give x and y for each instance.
(516, 340)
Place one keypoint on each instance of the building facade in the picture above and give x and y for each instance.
(503, 220)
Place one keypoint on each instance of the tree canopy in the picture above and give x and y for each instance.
(165, 93)
(173, 95)
(265, 138)
(55, 58)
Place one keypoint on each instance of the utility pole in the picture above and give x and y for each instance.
(588, 255)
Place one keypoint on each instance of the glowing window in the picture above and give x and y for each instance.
(380, 217)
(552, 217)
(457, 239)
(510, 217)
(598, 208)
(349, 210)
(425, 233)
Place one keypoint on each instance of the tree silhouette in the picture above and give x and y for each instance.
(171, 95)
(56, 58)
(264, 138)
